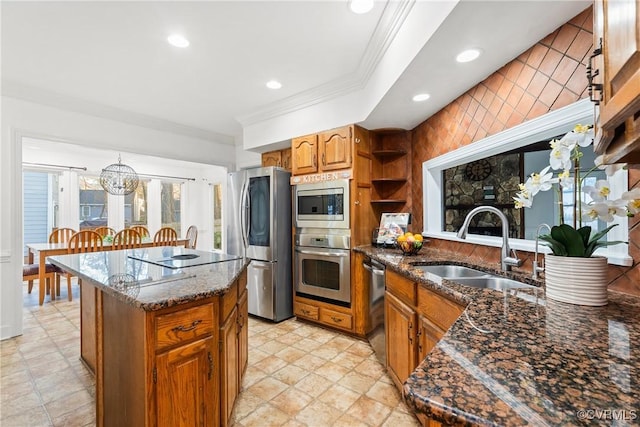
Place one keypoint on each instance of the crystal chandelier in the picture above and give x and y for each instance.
(119, 179)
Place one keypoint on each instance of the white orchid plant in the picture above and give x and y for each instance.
(576, 240)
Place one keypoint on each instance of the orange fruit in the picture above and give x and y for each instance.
(418, 237)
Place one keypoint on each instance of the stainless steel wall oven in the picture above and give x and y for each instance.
(323, 267)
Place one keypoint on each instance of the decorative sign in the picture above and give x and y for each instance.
(321, 177)
(392, 225)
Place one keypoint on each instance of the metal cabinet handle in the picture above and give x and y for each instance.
(591, 74)
(336, 319)
(324, 163)
(183, 328)
(305, 312)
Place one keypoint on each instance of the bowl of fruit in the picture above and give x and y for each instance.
(409, 243)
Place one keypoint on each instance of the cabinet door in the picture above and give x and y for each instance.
(229, 365)
(243, 336)
(618, 24)
(401, 339)
(428, 336)
(286, 159)
(186, 384)
(335, 149)
(272, 158)
(304, 153)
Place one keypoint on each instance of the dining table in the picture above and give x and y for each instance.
(45, 250)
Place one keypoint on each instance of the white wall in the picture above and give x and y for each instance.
(22, 119)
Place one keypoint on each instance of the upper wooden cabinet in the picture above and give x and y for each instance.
(327, 151)
(279, 158)
(617, 24)
(334, 149)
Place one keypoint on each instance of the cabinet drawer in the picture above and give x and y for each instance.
(305, 310)
(441, 311)
(184, 325)
(404, 289)
(335, 318)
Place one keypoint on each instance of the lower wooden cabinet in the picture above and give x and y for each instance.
(331, 315)
(401, 339)
(229, 350)
(416, 318)
(178, 366)
(186, 385)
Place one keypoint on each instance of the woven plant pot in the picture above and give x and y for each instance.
(576, 280)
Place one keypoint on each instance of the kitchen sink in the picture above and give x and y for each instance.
(492, 282)
(449, 271)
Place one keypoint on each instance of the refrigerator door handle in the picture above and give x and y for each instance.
(261, 264)
(244, 207)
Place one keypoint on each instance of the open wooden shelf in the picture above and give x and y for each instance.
(389, 201)
(388, 153)
(385, 180)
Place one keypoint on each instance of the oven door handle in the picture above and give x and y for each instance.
(305, 252)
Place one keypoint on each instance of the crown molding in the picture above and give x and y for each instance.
(17, 90)
(390, 23)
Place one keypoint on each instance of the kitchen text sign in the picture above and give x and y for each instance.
(321, 177)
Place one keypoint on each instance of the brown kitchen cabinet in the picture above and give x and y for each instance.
(326, 151)
(183, 365)
(617, 25)
(416, 319)
(186, 385)
(279, 158)
(401, 339)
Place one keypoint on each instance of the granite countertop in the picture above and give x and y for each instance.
(149, 280)
(515, 358)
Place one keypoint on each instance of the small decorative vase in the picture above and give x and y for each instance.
(576, 280)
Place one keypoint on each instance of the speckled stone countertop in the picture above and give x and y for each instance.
(150, 285)
(514, 358)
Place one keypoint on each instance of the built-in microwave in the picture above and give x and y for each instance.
(322, 205)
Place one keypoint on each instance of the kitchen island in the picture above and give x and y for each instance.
(164, 330)
(516, 358)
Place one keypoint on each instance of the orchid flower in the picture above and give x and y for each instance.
(633, 198)
(542, 181)
(560, 157)
(599, 192)
(565, 179)
(604, 210)
(580, 135)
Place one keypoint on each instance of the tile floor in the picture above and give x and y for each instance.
(298, 375)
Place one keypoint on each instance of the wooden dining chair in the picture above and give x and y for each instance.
(144, 231)
(127, 239)
(61, 235)
(83, 241)
(166, 236)
(58, 235)
(192, 237)
(31, 272)
(105, 231)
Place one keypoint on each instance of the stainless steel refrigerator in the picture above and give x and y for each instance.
(258, 218)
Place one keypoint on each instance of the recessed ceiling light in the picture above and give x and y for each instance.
(274, 84)
(360, 6)
(421, 97)
(177, 40)
(468, 55)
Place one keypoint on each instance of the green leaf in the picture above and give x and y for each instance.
(585, 232)
(601, 233)
(591, 248)
(570, 238)
(556, 247)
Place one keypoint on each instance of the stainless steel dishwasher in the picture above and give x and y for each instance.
(376, 307)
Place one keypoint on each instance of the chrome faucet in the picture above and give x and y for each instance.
(506, 260)
(537, 269)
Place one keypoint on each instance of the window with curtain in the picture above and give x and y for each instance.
(135, 205)
(94, 203)
(217, 216)
(170, 205)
